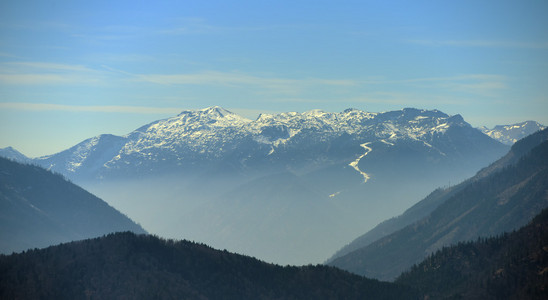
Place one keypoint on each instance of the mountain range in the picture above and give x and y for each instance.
(277, 205)
(509, 134)
(311, 180)
(39, 209)
(501, 197)
(203, 139)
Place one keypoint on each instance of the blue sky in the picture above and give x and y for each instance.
(70, 70)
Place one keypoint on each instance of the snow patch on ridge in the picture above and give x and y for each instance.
(213, 133)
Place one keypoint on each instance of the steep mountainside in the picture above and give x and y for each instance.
(501, 201)
(511, 266)
(127, 266)
(509, 134)
(424, 207)
(38, 209)
(190, 176)
(411, 215)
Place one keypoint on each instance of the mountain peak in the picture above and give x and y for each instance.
(212, 110)
(314, 113)
(509, 134)
(458, 119)
(213, 114)
(216, 110)
(11, 153)
(351, 109)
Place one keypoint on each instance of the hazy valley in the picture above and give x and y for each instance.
(500, 198)
(291, 189)
(288, 188)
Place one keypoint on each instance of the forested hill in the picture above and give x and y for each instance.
(39, 209)
(511, 266)
(130, 266)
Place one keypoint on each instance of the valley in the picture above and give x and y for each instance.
(294, 204)
(273, 150)
(312, 180)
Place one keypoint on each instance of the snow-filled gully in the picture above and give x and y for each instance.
(354, 164)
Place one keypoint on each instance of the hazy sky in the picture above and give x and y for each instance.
(70, 70)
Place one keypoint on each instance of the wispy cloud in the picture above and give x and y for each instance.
(405, 99)
(479, 84)
(229, 78)
(43, 73)
(479, 43)
(47, 66)
(43, 79)
(235, 79)
(46, 73)
(83, 108)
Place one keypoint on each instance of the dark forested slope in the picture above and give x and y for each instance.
(129, 266)
(39, 208)
(511, 266)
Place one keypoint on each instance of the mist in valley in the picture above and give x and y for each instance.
(279, 217)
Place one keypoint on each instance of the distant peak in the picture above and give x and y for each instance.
(314, 112)
(509, 134)
(9, 148)
(413, 113)
(217, 110)
(212, 115)
(12, 153)
(212, 110)
(458, 120)
(412, 109)
(525, 124)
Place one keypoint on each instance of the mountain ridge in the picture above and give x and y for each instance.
(196, 132)
(509, 134)
(125, 265)
(40, 208)
(440, 195)
(191, 163)
(505, 199)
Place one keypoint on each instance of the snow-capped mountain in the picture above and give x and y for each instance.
(509, 134)
(195, 139)
(12, 154)
(288, 187)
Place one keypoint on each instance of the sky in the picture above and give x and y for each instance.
(71, 70)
